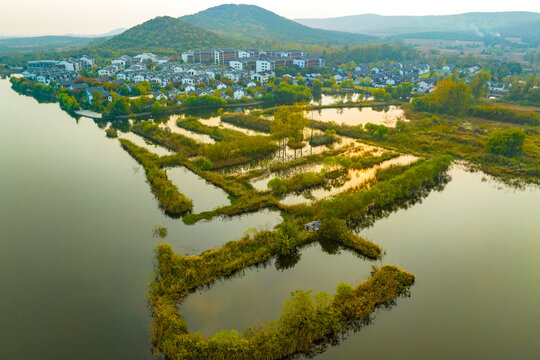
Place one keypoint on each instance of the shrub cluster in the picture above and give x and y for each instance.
(176, 142)
(247, 121)
(499, 113)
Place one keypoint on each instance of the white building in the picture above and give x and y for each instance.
(263, 77)
(70, 64)
(263, 65)
(237, 65)
(108, 71)
(238, 93)
(243, 54)
(87, 62)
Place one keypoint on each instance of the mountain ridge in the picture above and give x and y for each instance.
(256, 23)
(162, 33)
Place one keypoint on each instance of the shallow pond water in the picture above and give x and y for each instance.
(387, 116)
(171, 124)
(216, 121)
(336, 99)
(356, 178)
(190, 184)
(142, 142)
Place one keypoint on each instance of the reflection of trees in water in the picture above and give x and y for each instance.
(375, 213)
(285, 262)
(119, 124)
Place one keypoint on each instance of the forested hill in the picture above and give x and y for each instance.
(255, 23)
(480, 22)
(161, 35)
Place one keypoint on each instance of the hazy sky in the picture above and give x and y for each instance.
(45, 17)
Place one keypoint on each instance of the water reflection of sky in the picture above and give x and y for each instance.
(359, 116)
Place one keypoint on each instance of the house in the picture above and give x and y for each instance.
(40, 64)
(108, 71)
(175, 91)
(219, 85)
(244, 54)
(145, 57)
(338, 78)
(78, 86)
(138, 78)
(207, 91)
(90, 91)
(473, 69)
(196, 92)
(312, 226)
(232, 75)
(70, 64)
(248, 83)
(263, 76)
(158, 95)
(238, 93)
(122, 62)
(87, 62)
(187, 81)
(223, 56)
(423, 69)
(307, 62)
(427, 85)
(263, 65)
(189, 88)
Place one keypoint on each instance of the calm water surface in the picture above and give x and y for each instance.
(76, 256)
(359, 116)
(474, 248)
(76, 245)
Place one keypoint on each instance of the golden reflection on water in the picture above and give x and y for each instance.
(171, 124)
(357, 179)
(360, 116)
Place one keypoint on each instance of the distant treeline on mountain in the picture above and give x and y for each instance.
(520, 24)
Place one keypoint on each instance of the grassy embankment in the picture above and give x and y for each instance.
(174, 203)
(306, 319)
(305, 181)
(215, 132)
(177, 275)
(175, 142)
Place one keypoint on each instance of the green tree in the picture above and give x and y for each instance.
(120, 106)
(508, 142)
(480, 84)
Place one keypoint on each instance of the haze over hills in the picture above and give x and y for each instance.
(481, 23)
(254, 22)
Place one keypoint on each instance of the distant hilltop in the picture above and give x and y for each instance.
(479, 23)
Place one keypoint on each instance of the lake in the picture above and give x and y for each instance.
(76, 256)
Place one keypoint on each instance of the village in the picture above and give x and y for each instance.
(229, 74)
